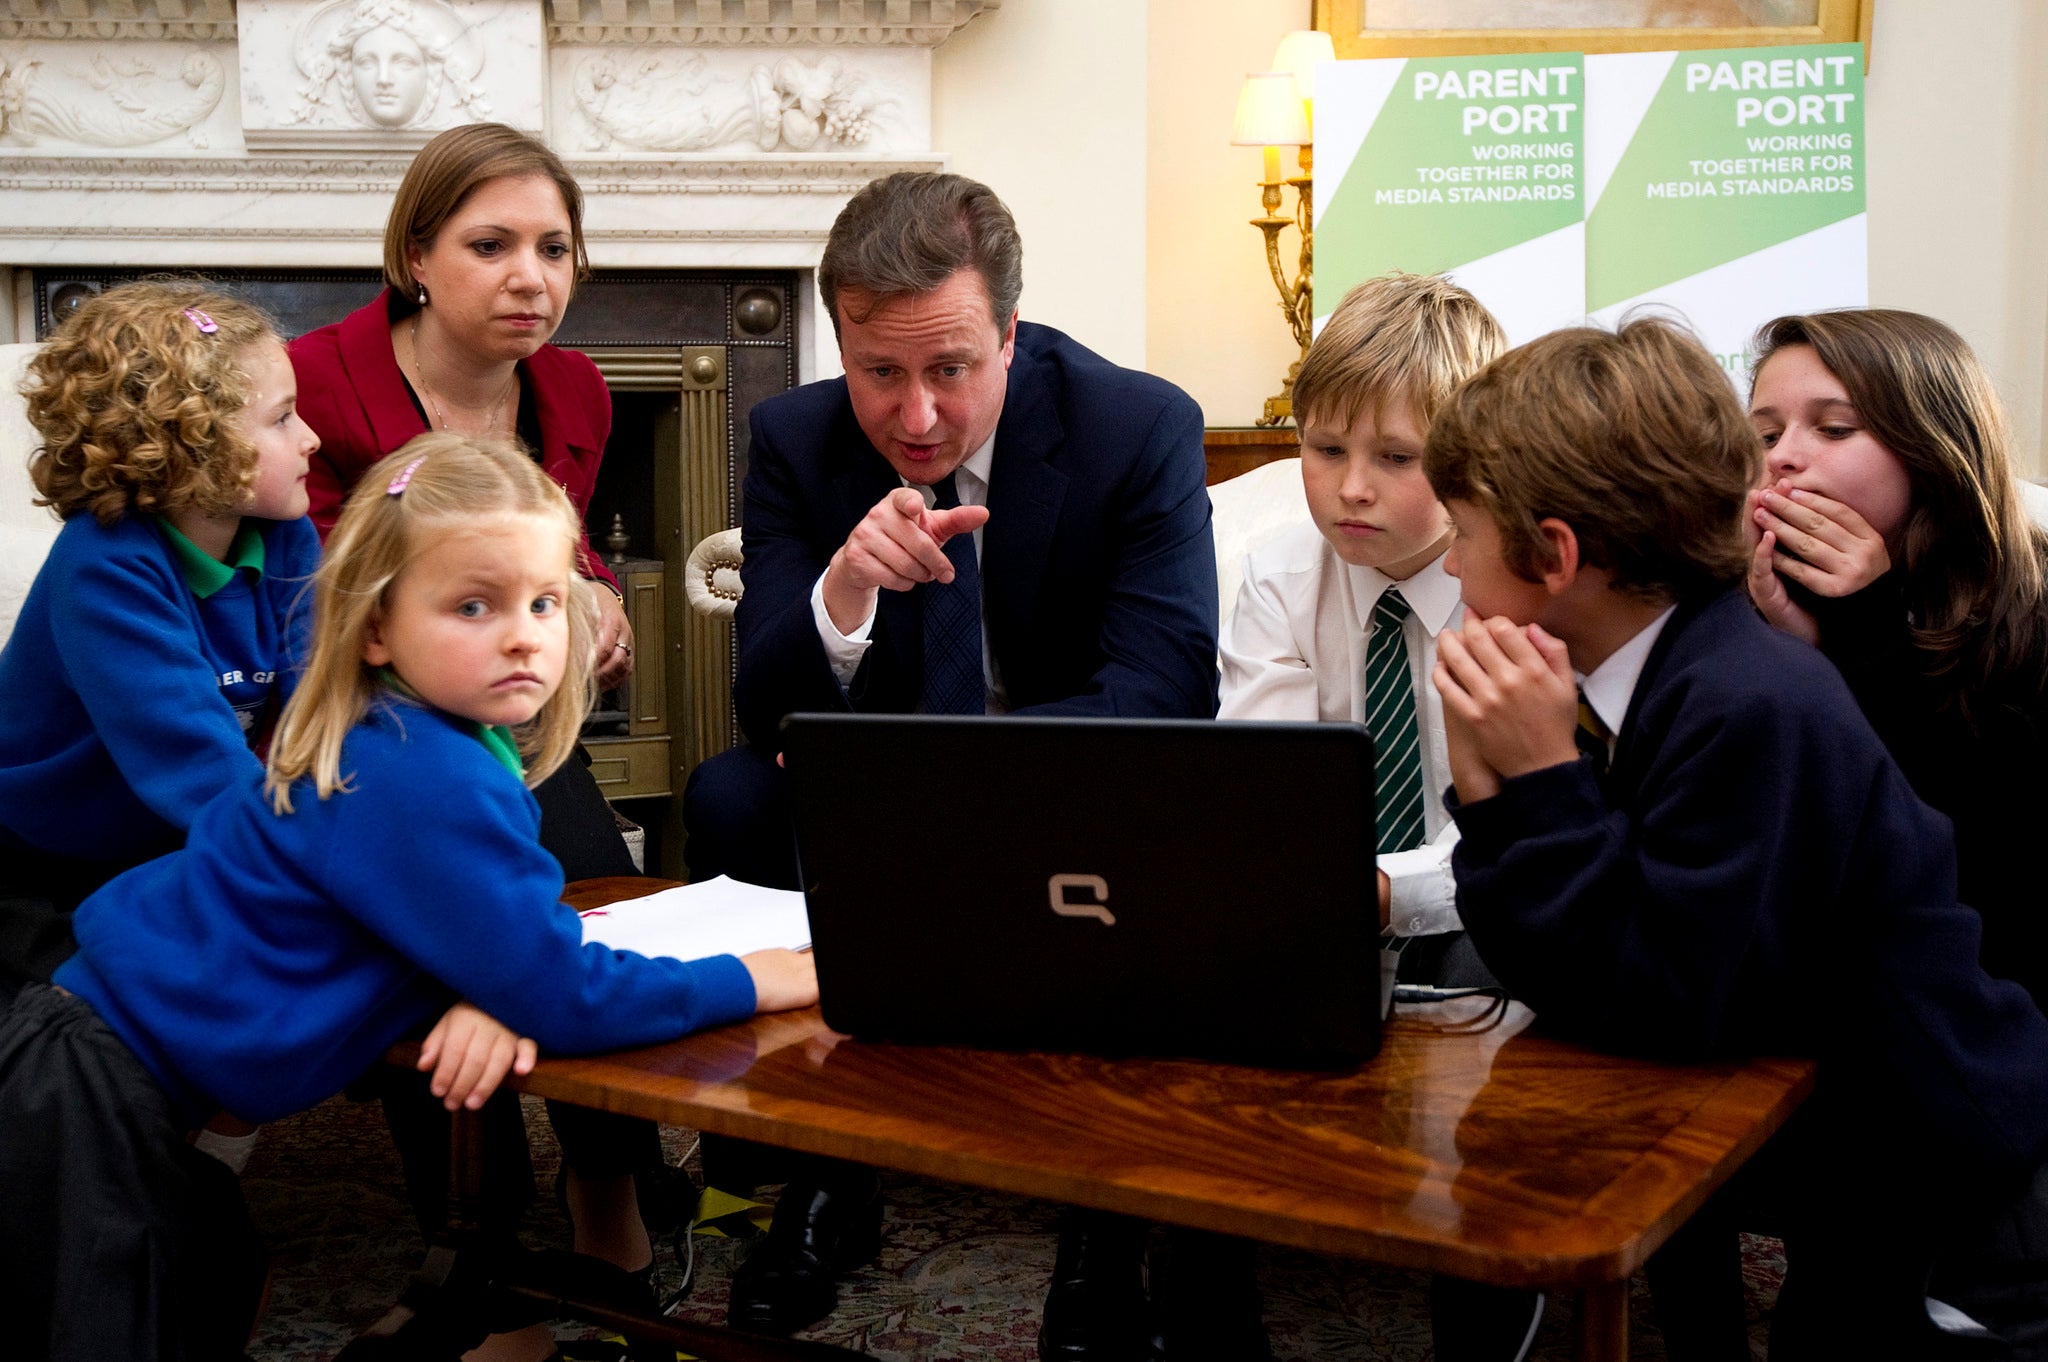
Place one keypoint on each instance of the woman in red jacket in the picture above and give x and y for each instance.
(482, 251)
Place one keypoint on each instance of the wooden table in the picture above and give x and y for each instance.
(1498, 1155)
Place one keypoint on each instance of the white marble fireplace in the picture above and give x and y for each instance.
(705, 133)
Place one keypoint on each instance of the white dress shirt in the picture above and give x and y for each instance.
(844, 651)
(1295, 649)
(1610, 686)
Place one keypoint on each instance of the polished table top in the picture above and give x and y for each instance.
(1493, 1153)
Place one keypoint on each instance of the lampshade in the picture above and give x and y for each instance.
(1298, 54)
(1269, 112)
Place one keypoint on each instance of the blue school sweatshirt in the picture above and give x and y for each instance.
(278, 956)
(136, 676)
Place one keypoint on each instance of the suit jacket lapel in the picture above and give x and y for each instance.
(565, 429)
(1624, 775)
(1024, 496)
(372, 367)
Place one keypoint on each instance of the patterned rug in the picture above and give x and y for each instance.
(961, 1275)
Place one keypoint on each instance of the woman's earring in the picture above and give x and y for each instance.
(423, 295)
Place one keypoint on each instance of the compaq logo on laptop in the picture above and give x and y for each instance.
(1056, 889)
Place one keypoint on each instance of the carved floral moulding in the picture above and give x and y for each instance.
(118, 19)
(923, 23)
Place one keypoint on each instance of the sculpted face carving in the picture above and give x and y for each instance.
(388, 64)
(390, 75)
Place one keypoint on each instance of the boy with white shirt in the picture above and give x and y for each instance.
(1359, 595)
(1734, 866)
(1337, 621)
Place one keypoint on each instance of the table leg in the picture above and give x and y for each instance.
(1603, 1322)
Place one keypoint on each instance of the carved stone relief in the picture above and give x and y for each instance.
(673, 102)
(363, 73)
(185, 133)
(106, 95)
(735, 102)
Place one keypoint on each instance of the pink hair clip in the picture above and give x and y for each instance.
(207, 325)
(404, 478)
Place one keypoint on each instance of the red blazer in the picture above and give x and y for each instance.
(354, 397)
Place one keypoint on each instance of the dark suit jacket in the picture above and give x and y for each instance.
(1756, 877)
(1098, 567)
(353, 395)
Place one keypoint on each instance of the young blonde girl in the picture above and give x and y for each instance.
(1892, 534)
(159, 639)
(386, 865)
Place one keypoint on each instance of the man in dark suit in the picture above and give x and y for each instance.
(981, 517)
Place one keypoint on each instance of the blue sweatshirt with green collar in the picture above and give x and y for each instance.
(278, 956)
(137, 677)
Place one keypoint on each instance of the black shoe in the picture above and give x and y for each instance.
(1473, 1323)
(1095, 1308)
(787, 1280)
(1205, 1292)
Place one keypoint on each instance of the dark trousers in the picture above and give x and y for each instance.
(1997, 1272)
(736, 811)
(117, 1238)
(595, 1144)
(1867, 1240)
(577, 826)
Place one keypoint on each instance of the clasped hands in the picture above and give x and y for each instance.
(897, 544)
(1816, 541)
(1510, 702)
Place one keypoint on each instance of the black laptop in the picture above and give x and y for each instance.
(1110, 886)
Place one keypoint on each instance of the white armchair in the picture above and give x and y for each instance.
(26, 529)
(1250, 509)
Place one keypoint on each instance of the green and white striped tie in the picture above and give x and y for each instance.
(1390, 718)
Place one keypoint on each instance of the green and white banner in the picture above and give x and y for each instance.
(1726, 186)
(1471, 166)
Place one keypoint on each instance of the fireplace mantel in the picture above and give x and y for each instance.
(705, 133)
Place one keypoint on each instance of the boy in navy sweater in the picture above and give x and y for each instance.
(1720, 858)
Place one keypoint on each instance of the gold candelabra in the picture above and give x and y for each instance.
(1275, 109)
(1297, 297)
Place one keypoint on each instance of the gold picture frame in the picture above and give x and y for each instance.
(1347, 23)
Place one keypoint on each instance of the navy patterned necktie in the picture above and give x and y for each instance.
(1390, 718)
(953, 681)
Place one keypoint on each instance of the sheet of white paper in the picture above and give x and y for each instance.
(718, 917)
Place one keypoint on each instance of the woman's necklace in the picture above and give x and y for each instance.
(419, 371)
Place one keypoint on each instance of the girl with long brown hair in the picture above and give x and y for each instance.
(1893, 534)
